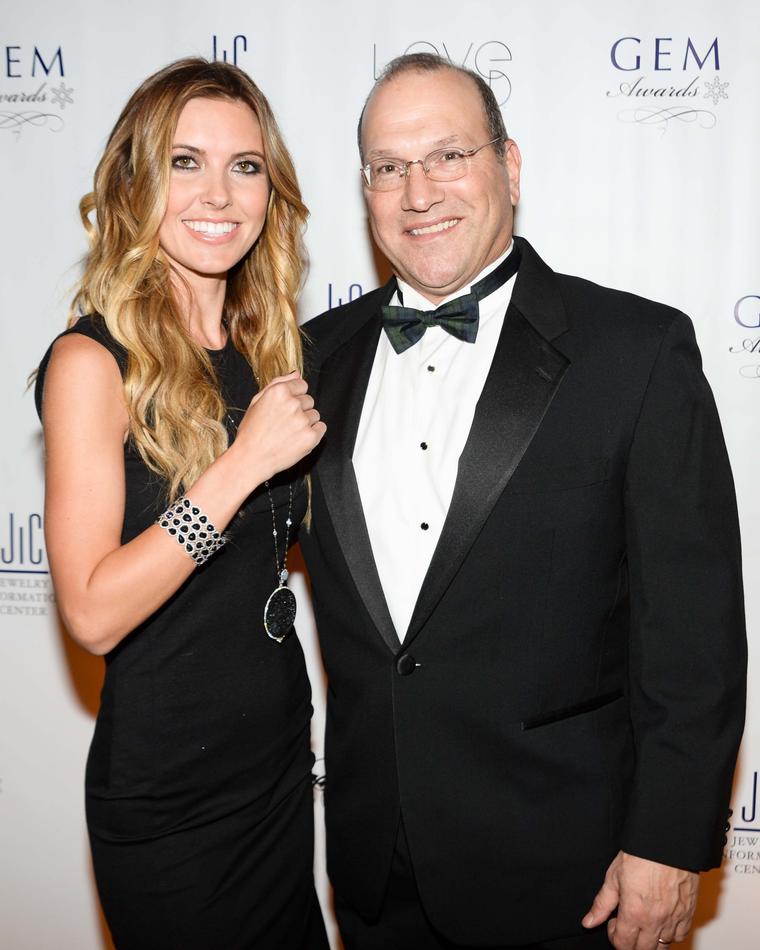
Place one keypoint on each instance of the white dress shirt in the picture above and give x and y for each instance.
(416, 417)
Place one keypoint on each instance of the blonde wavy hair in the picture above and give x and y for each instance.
(176, 411)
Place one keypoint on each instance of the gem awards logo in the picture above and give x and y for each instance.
(25, 589)
(34, 92)
(488, 59)
(318, 776)
(747, 315)
(662, 81)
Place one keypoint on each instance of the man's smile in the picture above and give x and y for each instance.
(434, 228)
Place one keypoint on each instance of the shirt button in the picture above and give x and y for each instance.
(431, 369)
(424, 525)
(423, 446)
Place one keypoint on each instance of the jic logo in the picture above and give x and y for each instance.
(23, 545)
(26, 77)
(24, 577)
(487, 60)
(239, 44)
(662, 99)
(751, 815)
(743, 849)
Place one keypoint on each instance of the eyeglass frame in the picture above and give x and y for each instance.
(406, 165)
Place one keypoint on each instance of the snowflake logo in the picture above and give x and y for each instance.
(716, 90)
(61, 95)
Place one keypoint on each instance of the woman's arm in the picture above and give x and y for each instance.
(105, 589)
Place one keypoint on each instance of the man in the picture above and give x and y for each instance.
(526, 568)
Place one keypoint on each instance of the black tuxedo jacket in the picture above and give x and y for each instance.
(572, 680)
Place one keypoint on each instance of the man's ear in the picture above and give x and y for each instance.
(513, 161)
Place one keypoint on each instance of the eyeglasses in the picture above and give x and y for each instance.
(444, 164)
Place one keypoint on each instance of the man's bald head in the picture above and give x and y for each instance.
(431, 62)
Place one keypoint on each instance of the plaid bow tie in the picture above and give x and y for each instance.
(459, 317)
(405, 325)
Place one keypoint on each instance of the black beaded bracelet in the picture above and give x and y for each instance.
(192, 529)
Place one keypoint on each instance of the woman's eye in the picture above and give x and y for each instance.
(184, 161)
(248, 166)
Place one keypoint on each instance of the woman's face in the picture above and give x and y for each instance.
(218, 191)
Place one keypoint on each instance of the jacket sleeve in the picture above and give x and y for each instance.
(687, 660)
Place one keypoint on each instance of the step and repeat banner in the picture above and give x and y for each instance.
(640, 130)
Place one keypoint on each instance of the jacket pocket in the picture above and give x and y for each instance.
(559, 477)
(556, 715)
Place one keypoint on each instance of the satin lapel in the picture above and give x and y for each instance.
(343, 383)
(523, 379)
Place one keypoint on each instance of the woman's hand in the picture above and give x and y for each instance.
(279, 428)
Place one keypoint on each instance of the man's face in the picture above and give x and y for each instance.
(438, 235)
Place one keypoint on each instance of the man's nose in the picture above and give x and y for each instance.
(419, 192)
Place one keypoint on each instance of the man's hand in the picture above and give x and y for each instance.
(655, 903)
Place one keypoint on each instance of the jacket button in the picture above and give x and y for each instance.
(405, 665)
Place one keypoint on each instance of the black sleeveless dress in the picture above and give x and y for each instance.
(198, 791)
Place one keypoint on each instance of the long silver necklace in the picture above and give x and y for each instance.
(280, 608)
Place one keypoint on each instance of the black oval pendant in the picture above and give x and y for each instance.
(280, 613)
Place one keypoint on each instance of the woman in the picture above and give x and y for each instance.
(198, 789)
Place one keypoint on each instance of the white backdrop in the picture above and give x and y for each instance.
(639, 128)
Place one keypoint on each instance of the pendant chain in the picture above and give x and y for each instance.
(280, 608)
(281, 572)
